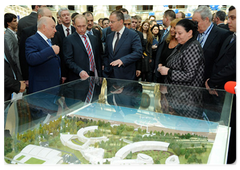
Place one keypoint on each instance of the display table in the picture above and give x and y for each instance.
(118, 122)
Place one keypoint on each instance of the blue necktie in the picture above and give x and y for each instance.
(49, 42)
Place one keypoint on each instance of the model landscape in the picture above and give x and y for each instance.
(79, 140)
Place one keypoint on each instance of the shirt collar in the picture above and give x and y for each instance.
(208, 29)
(64, 27)
(42, 35)
(122, 30)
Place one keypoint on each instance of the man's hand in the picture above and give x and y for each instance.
(83, 75)
(116, 63)
(56, 49)
(211, 91)
(63, 79)
(138, 73)
(22, 87)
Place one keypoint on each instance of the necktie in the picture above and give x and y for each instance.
(116, 42)
(200, 39)
(49, 42)
(68, 31)
(165, 32)
(233, 38)
(90, 55)
(90, 32)
(90, 90)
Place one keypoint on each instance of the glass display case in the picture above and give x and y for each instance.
(118, 122)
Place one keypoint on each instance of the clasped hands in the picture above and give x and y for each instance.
(162, 69)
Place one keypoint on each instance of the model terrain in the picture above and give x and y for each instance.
(79, 140)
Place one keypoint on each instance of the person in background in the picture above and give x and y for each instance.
(210, 36)
(180, 15)
(164, 50)
(105, 22)
(10, 37)
(65, 29)
(152, 18)
(13, 82)
(168, 16)
(72, 16)
(28, 20)
(139, 21)
(219, 19)
(152, 23)
(185, 65)
(100, 23)
(147, 60)
(156, 32)
(59, 22)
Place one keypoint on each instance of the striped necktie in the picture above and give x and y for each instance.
(90, 54)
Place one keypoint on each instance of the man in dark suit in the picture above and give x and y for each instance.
(224, 70)
(123, 49)
(219, 19)
(210, 37)
(29, 31)
(81, 52)
(168, 16)
(65, 29)
(29, 20)
(42, 57)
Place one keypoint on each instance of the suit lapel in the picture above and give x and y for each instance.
(79, 41)
(210, 38)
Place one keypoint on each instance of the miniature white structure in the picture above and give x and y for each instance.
(173, 160)
(95, 155)
(50, 156)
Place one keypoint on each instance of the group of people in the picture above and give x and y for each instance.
(39, 54)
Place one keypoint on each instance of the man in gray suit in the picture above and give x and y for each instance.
(29, 20)
(10, 37)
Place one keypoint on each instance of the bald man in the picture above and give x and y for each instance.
(42, 57)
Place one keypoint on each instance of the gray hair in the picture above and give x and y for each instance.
(62, 9)
(205, 12)
(127, 17)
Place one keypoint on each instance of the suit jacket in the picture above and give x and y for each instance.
(44, 65)
(212, 47)
(76, 56)
(224, 68)
(224, 26)
(10, 83)
(27, 21)
(59, 28)
(27, 32)
(128, 50)
(12, 43)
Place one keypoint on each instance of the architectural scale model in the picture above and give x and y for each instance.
(78, 140)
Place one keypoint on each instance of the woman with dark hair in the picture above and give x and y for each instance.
(147, 62)
(185, 66)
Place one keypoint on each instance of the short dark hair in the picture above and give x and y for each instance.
(104, 19)
(119, 15)
(189, 25)
(170, 13)
(183, 15)
(221, 15)
(231, 8)
(74, 14)
(123, 10)
(8, 17)
(34, 4)
(87, 13)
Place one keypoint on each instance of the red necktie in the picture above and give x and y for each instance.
(68, 31)
(90, 55)
(90, 91)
